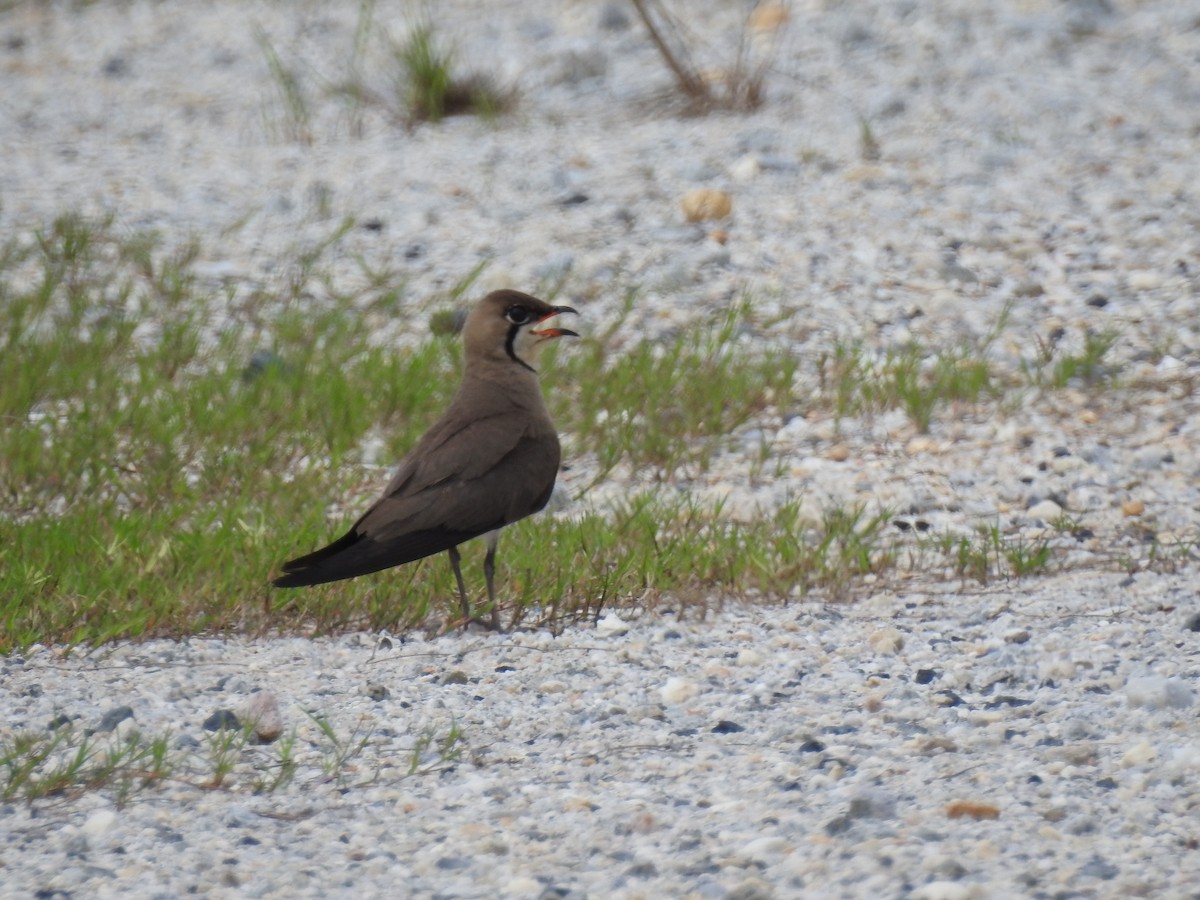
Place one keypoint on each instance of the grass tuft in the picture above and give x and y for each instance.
(433, 90)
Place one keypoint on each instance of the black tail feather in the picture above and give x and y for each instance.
(357, 554)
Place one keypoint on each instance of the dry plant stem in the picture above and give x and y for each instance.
(689, 82)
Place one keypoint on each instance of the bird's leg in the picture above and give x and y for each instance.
(489, 572)
(455, 558)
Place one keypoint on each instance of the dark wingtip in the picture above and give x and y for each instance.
(286, 581)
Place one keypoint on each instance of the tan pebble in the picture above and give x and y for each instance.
(1139, 754)
(706, 204)
(886, 640)
(1133, 508)
(972, 809)
(934, 744)
(862, 172)
(919, 445)
(678, 690)
(1089, 417)
(264, 716)
(768, 16)
(872, 703)
(838, 453)
(748, 657)
(1144, 280)
(720, 235)
(1047, 511)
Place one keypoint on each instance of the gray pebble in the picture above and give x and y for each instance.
(114, 717)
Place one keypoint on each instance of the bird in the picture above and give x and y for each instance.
(489, 461)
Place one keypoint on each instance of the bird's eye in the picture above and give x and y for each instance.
(518, 315)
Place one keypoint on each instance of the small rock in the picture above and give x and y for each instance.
(114, 717)
(838, 453)
(1047, 511)
(264, 716)
(377, 692)
(837, 826)
(872, 803)
(748, 656)
(100, 823)
(727, 727)
(706, 204)
(886, 640)
(678, 690)
(222, 720)
(924, 676)
(456, 676)
(1133, 508)
(942, 890)
(644, 869)
(261, 362)
(612, 625)
(972, 809)
(1156, 692)
(768, 16)
(1138, 755)
(613, 17)
(1099, 868)
(1144, 280)
(751, 889)
(745, 169)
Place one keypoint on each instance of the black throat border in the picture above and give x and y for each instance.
(509, 348)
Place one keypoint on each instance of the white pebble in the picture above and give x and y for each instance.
(611, 625)
(678, 690)
(100, 823)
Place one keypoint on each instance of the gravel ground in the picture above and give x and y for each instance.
(1032, 739)
(926, 744)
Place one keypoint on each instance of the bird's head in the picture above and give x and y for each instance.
(511, 326)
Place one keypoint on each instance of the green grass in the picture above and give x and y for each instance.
(152, 486)
(670, 405)
(918, 380)
(432, 87)
(294, 109)
(66, 763)
(1087, 367)
(151, 481)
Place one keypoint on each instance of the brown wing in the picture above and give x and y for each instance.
(463, 479)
